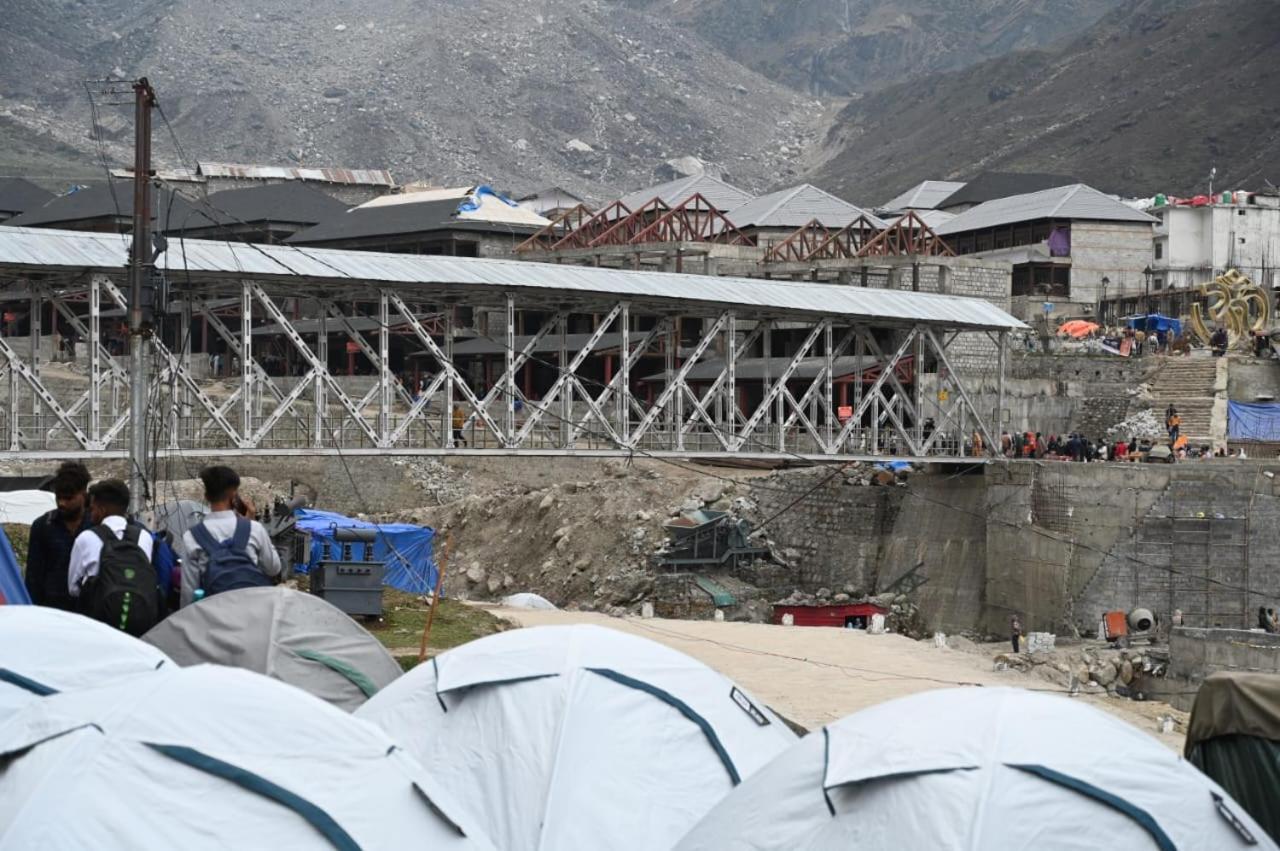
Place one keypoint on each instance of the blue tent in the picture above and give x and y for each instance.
(13, 590)
(405, 548)
(1156, 322)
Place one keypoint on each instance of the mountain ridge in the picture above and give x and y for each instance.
(1147, 100)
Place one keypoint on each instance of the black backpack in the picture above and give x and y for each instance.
(124, 593)
(230, 565)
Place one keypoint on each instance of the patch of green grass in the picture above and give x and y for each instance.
(405, 615)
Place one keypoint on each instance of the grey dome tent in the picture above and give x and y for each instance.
(43, 651)
(578, 736)
(289, 635)
(1234, 737)
(207, 758)
(977, 768)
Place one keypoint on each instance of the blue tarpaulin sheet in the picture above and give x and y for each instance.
(1253, 420)
(12, 589)
(405, 548)
(1156, 322)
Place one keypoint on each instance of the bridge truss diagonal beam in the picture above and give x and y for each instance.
(636, 376)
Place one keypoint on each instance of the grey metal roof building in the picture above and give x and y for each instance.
(990, 185)
(18, 195)
(925, 195)
(267, 213)
(795, 207)
(417, 227)
(724, 196)
(1065, 202)
(109, 207)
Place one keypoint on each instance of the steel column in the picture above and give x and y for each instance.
(729, 426)
(95, 363)
(624, 375)
(317, 382)
(828, 390)
(1000, 368)
(917, 385)
(246, 359)
(509, 378)
(446, 430)
(33, 362)
(566, 398)
(384, 369)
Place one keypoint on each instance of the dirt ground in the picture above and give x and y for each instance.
(817, 675)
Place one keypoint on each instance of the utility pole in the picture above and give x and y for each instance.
(140, 265)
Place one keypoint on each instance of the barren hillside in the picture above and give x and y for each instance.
(841, 47)
(1148, 100)
(584, 94)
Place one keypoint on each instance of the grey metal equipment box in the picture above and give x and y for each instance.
(353, 586)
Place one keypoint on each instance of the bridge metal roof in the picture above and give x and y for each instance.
(39, 249)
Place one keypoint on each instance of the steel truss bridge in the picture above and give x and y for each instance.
(676, 326)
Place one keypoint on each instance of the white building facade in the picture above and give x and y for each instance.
(1193, 245)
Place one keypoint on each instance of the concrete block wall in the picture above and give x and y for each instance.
(970, 354)
(1058, 394)
(937, 545)
(1118, 251)
(1194, 653)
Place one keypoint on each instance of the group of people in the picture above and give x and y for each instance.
(88, 555)
(1077, 447)
(1068, 447)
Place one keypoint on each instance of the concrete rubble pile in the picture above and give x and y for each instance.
(1144, 423)
(1092, 669)
(438, 480)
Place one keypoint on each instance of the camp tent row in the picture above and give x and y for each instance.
(558, 738)
(564, 737)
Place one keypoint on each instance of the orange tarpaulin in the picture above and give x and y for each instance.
(1077, 328)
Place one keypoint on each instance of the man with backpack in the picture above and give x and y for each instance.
(110, 569)
(228, 549)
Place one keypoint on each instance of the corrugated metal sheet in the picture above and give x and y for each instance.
(349, 176)
(935, 218)
(63, 249)
(796, 207)
(925, 195)
(1077, 201)
(38, 247)
(724, 196)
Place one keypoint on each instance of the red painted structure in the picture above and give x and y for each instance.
(838, 615)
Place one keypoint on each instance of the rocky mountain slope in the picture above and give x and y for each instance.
(841, 47)
(1147, 100)
(580, 93)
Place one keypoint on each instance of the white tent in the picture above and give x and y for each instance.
(977, 768)
(578, 737)
(46, 650)
(25, 507)
(289, 635)
(212, 758)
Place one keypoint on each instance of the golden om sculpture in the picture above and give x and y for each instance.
(1235, 303)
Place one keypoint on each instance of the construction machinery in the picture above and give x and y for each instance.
(706, 539)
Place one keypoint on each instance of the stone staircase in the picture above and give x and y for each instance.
(1187, 383)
